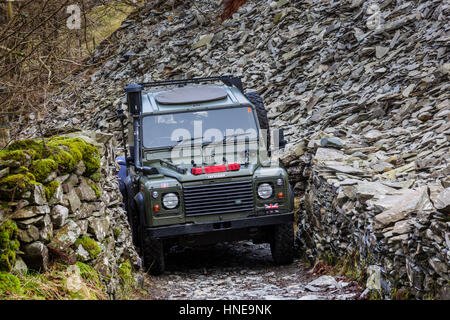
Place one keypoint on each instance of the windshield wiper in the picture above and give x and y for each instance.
(173, 166)
(185, 141)
(226, 138)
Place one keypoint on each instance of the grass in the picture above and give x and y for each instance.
(53, 285)
(69, 282)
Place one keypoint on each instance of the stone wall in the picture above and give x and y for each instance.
(66, 214)
(396, 231)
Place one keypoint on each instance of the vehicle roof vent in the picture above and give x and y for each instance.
(190, 95)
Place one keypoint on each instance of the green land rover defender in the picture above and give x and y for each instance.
(200, 170)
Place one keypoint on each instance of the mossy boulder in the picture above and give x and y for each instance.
(17, 158)
(8, 245)
(34, 146)
(42, 168)
(78, 150)
(16, 184)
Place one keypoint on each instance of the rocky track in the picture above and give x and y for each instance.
(242, 271)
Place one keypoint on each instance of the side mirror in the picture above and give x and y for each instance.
(121, 161)
(282, 143)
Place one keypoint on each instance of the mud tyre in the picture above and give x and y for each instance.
(133, 220)
(153, 254)
(282, 244)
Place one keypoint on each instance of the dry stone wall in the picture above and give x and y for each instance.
(81, 219)
(398, 232)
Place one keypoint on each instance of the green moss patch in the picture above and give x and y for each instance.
(125, 272)
(79, 150)
(97, 192)
(37, 159)
(42, 168)
(9, 284)
(90, 245)
(8, 245)
(33, 146)
(16, 184)
(88, 273)
(96, 176)
(51, 188)
(23, 157)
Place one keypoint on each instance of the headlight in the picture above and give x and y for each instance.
(155, 194)
(265, 190)
(170, 200)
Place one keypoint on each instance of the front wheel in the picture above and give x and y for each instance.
(153, 255)
(282, 243)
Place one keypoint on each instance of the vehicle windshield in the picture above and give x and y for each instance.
(198, 127)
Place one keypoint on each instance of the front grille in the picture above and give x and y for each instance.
(218, 198)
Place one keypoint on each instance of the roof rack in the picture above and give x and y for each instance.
(227, 80)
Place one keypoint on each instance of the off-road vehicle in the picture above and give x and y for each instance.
(199, 170)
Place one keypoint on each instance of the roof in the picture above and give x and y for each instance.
(189, 97)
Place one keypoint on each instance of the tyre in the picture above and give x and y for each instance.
(133, 220)
(153, 255)
(261, 112)
(282, 243)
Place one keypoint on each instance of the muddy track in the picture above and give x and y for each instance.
(240, 271)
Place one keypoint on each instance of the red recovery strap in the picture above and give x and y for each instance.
(215, 169)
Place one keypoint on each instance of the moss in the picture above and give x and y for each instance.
(17, 183)
(64, 160)
(8, 245)
(16, 155)
(90, 245)
(116, 233)
(65, 152)
(59, 153)
(22, 169)
(96, 176)
(80, 150)
(125, 272)
(97, 192)
(9, 284)
(51, 188)
(42, 168)
(34, 147)
(88, 273)
(21, 181)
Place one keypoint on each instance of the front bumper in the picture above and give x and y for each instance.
(199, 228)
